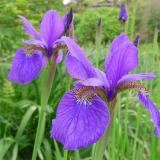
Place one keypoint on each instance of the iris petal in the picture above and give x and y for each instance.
(26, 68)
(52, 27)
(153, 110)
(93, 82)
(40, 43)
(78, 53)
(60, 57)
(115, 45)
(136, 77)
(29, 28)
(122, 60)
(67, 19)
(75, 68)
(78, 125)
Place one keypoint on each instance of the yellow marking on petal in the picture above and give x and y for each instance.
(31, 48)
(84, 94)
(132, 85)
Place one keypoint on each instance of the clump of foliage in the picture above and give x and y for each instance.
(86, 24)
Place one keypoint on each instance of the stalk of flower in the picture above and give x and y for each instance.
(98, 39)
(85, 113)
(30, 60)
(123, 16)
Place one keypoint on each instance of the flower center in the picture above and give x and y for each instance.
(85, 94)
(132, 85)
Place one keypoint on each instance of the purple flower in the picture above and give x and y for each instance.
(28, 62)
(83, 116)
(123, 15)
(136, 41)
(68, 19)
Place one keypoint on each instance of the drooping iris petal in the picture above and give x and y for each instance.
(75, 68)
(78, 53)
(136, 77)
(42, 57)
(68, 17)
(115, 45)
(25, 68)
(124, 60)
(78, 125)
(153, 110)
(29, 28)
(51, 27)
(123, 15)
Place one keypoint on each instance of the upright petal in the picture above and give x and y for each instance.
(123, 60)
(153, 110)
(136, 77)
(25, 68)
(68, 17)
(78, 53)
(29, 28)
(78, 125)
(115, 45)
(52, 27)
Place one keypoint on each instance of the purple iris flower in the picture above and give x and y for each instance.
(83, 115)
(123, 15)
(29, 61)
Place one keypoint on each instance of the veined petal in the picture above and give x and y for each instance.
(52, 27)
(29, 28)
(78, 125)
(75, 68)
(25, 68)
(153, 110)
(78, 53)
(115, 45)
(136, 77)
(123, 60)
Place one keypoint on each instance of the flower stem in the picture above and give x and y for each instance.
(46, 89)
(67, 88)
(101, 144)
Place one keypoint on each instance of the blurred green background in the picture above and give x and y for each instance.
(131, 136)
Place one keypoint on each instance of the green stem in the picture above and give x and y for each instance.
(65, 154)
(46, 89)
(101, 145)
(77, 155)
